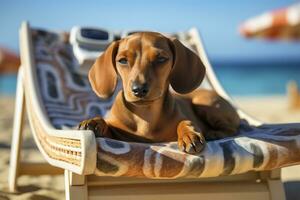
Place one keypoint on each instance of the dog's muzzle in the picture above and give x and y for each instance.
(139, 89)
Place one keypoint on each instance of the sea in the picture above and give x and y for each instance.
(239, 78)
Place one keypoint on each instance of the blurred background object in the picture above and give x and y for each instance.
(9, 61)
(281, 24)
(293, 96)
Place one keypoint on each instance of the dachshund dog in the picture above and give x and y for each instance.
(147, 109)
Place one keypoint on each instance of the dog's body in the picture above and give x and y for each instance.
(146, 110)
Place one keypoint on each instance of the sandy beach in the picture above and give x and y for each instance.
(271, 109)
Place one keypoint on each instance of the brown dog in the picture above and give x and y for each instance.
(145, 110)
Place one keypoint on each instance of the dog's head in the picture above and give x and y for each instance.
(147, 63)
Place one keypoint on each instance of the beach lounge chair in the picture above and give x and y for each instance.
(55, 99)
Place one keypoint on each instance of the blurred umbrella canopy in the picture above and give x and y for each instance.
(9, 61)
(281, 24)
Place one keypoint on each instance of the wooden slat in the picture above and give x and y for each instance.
(175, 191)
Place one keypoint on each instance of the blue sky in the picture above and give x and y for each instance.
(217, 21)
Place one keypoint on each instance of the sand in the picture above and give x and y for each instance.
(272, 109)
(35, 188)
(269, 109)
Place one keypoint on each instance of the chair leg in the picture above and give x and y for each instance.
(16, 144)
(276, 189)
(75, 186)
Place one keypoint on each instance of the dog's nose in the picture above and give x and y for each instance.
(140, 89)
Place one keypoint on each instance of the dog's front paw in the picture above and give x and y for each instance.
(191, 142)
(97, 125)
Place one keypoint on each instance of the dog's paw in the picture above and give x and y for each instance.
(97, 125)
(191, 142)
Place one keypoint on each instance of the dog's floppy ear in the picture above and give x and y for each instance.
(188, 70)
(102, 75)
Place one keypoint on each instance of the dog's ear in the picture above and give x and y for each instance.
(102, 75)
(188, 70)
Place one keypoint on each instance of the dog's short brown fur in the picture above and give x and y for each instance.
(156, 114)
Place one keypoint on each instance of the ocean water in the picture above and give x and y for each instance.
(238, 78)
(257, 78)
(8, 84)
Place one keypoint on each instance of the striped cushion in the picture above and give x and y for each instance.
(255, 149)
(67, 95)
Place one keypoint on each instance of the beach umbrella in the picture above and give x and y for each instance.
(281, 24)
(9, 61)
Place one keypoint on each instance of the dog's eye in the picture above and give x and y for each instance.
(161, 59)
(123, 61)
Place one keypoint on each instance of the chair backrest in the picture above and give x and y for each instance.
(69, 149)
(211, 78)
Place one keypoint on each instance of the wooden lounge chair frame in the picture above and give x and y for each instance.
(80, 183)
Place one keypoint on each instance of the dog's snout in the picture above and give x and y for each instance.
(140, 89)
